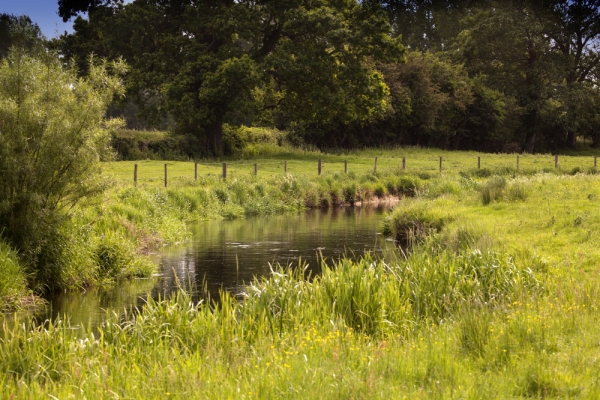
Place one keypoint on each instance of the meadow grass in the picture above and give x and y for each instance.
(304, 162)
(495, 295)
(13, 284)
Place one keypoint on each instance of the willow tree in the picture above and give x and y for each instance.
(52, 136)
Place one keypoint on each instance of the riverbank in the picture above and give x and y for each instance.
(495, 295)
(106, 241)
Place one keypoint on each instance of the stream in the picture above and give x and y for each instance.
(225, 255)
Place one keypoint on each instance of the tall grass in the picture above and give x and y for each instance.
(13, 283)
(500, 301)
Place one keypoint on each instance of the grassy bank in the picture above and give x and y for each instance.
(493, 294)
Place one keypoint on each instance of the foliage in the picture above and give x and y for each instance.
(304, 62)
(20, 32)
(502, 302)
(413, 222)
(12, 277)
(151, 145)
(53, 134)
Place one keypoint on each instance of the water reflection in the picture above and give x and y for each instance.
(226, 254)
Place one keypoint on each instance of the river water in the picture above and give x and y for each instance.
(224, 255)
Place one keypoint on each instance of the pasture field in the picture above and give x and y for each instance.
(299, 163)
(493, 292)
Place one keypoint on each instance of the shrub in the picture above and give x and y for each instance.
(408, 186)
(410, 222)
(349, 192)
(380, 189)
(53, 134)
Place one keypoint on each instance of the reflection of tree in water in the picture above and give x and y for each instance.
(227, 254)
(89, 307)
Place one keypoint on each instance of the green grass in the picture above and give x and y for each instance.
(496, 296)
(299, 162)
(13, 284)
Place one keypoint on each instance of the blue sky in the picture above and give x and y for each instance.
(42, 12)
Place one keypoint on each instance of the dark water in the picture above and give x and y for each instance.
(226, 254)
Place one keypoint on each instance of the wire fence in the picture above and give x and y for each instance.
(161, 173)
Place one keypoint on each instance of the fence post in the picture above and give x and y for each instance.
(517, 162)
(224, 170)
(479, 162)
(195, 171)
(319, 166)
(403, 163)
(440, 164)
(375, 165)
(255, 169)
(556, 161)
(285, 167)
(135, 174)
(595, 164)
(345, 166)
(165, 175)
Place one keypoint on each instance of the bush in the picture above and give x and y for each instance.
(143, 145)
(250, 142)
(53, 134)
(408, 186)
(411, 222)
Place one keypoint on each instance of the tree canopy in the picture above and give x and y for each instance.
(481, 74)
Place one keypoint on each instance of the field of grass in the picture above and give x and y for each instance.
(300, 163)
(494, 292)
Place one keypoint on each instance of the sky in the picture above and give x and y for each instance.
(42, 12)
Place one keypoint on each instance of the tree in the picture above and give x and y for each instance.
(435, 103)
(18, 31)
(426, 25)
(52, 135)
(574, 27)
(507, 44)
(210, 62)
(543, 54)
(70, 8)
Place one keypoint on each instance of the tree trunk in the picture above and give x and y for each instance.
(530, 141)
(572, 138)
(530, 124)
(214, 137)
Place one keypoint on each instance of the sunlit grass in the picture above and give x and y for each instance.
(496, 296)
(298, 163)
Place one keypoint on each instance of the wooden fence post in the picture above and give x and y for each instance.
(403, 163)
(224, 170)
(255, 169)
(165, 175)
(320, 166)
(135, 174)
(440, 164)
(375, 165)
(556, 161)
(595, 159)
(285, 167)
(479, 162)
(195, 171)
(517, 162)
(345, 166)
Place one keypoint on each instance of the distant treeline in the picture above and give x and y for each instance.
(464, 74)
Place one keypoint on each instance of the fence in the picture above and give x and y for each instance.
(319, 166)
